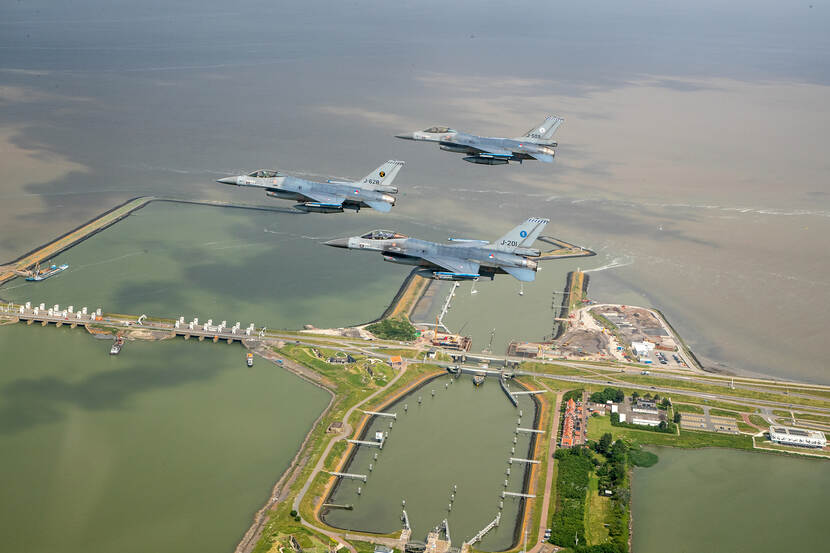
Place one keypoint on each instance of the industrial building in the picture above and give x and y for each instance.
(786, 435)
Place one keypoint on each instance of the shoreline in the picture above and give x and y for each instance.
(253, 533)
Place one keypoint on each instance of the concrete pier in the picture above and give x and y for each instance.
(530, 430)
(517, 494)
(483, 531)
(381, 414)
(350, 475)
(518, 460)
(366, 442)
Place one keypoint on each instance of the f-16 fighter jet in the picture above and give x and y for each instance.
(460, 260)
(375, 190)
(537, 143)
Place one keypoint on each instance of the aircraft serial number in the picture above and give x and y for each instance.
(509, 243)
(371, 181)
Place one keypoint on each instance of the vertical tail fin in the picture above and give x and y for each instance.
(382, 177)
(543, 132)
(524, 235)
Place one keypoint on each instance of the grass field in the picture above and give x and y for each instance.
(550, 368)
(744, 427)
(724, 389)
(597, 426)
(565, 385)
(723, 413)
(758, 420)
(683, 408)
(597, 509)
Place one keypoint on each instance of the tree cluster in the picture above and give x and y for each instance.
(572, 485)
(393, 329)
(608, 394)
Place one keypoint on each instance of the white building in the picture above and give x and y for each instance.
(797, 436)
(645, 421)
(642, 349)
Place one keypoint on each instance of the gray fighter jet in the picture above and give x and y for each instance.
(460, 260)
(375, 190)
(537, 143)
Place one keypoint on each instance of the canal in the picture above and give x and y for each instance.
(459, 439)
(728, 500)
(169, 446)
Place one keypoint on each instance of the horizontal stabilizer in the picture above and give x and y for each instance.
(547, 158)
(378, 205)
(525, 275)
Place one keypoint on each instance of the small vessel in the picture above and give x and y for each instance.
(379, 436)
(478, 379)
(250, 359)
(117, 345)
(42, 274)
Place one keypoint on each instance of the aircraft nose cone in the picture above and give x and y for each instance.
(406, 136)
(338, 243)
(227, 180)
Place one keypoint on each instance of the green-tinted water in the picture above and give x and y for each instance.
(722, 500)
(462, 436)
(498, 305)
(170, 446)
(266, 267)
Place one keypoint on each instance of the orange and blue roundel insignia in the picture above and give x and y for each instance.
(523, 234)
(382, 174)
(492, 256)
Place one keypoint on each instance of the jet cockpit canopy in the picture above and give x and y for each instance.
(264, 174)
(383, 235)
(436, 130)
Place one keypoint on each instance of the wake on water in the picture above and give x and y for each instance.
(616, 262)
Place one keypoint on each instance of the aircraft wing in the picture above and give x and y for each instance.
(484, 151)
(454, 264)
(323, 197)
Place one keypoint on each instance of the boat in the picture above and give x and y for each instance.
(117, 345)
(478, 379)
(42, 274)
(250, 359)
